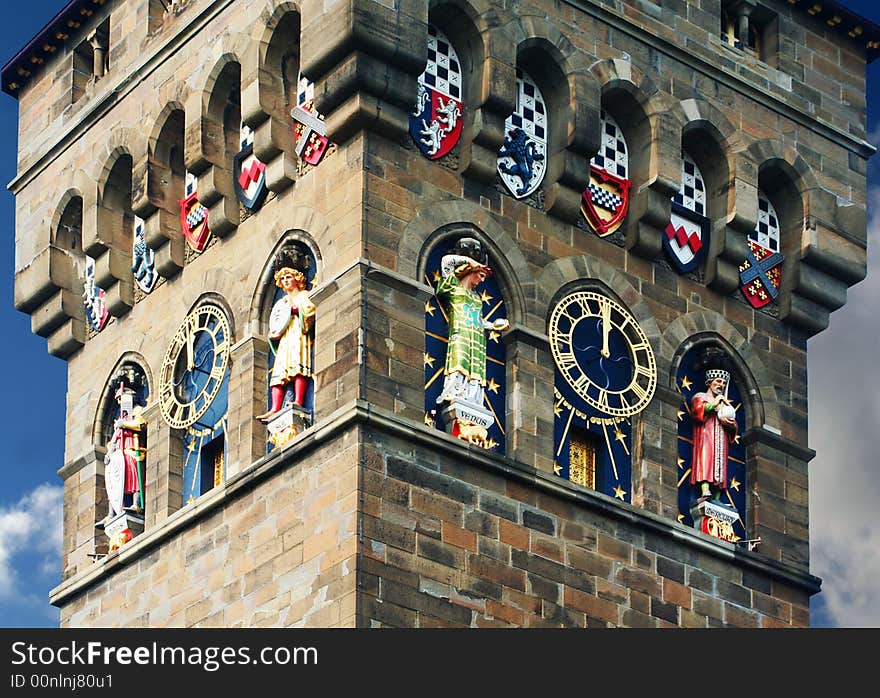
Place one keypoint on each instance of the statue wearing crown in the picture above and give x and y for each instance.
(714, 430)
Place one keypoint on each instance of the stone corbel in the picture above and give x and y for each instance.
(494, 102)
(728, 245)
(365, 59)
(828, 261)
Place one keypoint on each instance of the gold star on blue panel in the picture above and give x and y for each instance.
(679, 414)
(734, 484)
(485, 297)
(429, 421)
(429, 360)
(493, 335)
(680, 518)
(680, 463)
(436, 276)
(492, 386)
(619, 492)
(557, 410)
(429, 308)
(685, 383)
(736, 439)
(619, 435)
(557, 469)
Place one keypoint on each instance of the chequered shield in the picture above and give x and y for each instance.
(309, 130)
(522, 159)
(761, 273)
(143, 259)
(248, 173)
(194, 217)
(686, 239)
(435, 123)
(605, 201)
(687, 235)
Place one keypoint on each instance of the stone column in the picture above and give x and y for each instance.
(164, 468)
(99, 42)
(529, 398)
(248, 386)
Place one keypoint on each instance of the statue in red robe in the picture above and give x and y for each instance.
(714, 430)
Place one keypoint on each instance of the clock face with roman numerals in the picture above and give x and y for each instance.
(602, 353)
(194, 366)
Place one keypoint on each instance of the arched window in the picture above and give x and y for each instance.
(605, 374)
(290, 317)
(465, 356)
(711, 457)
(522, 160)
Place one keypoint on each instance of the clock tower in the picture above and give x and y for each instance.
(447, 313)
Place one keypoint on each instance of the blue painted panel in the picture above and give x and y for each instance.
(436, 334)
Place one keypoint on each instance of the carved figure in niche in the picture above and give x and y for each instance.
(126, 455)
(465, 370)
(291, 326)
(715, 429)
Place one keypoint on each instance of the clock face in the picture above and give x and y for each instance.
(602, 354)
(194, 366)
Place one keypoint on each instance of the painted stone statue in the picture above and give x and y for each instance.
(126, 456)
(291, 332)
(714, 429)
(463, 397)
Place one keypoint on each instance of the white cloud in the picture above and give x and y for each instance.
(844, 424)
(31, 526)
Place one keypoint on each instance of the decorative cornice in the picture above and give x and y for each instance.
(359, 412)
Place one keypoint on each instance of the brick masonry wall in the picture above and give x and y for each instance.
(452, 542)
(275, 547)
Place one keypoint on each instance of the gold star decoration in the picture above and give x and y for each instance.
(436, 277)
(429, 420)
(679, 414)
(485, 297)
(680, 463)
(736, 439)
(680, 518)
(619, 435)
(557, 469)
(190, 500)
(619, 492)
(557, 410)
(734, 484)
(492, 386)
(685, 383)
(429, 360)
(429, 308)
(493, 335)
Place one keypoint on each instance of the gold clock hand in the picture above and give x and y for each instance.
(606, 328)
(190, 359)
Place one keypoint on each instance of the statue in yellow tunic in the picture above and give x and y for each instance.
(291, 325)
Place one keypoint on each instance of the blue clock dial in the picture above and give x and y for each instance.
(194, 366)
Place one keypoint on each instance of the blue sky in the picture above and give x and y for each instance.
(844, 487)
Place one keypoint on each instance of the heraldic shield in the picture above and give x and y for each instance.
(605, 201)
(194, 216)
(435, 123)
(248, 173)
(309, 130)
(760, 275)
(686, 238)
